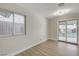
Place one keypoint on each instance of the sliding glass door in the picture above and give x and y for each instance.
(68, 31)
(62, 31)
(72, 31)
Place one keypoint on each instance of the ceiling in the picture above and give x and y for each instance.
(46, 9)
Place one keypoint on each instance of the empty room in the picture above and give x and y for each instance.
(39, 29)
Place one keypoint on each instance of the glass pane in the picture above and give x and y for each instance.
(18, 24)
(62, 31)
(72, 31)
(6, 23)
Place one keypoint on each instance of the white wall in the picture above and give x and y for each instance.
(36, 31)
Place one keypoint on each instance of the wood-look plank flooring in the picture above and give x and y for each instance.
(52, 48)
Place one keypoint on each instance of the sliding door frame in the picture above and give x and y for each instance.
(66, 30)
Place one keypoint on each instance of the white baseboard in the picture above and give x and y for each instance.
(52, 39)
(17, 52)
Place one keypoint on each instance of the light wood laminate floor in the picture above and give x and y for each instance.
(52, 48)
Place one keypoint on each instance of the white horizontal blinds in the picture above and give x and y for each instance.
(18, 24)
(6, 23)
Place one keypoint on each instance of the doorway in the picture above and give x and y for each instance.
(67, 31)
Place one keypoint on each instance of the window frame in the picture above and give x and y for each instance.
(13, 34)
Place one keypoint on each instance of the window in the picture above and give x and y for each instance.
(18, 24)
(11, 23)
(6, 23)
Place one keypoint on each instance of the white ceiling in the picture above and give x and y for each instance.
(46, 9)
